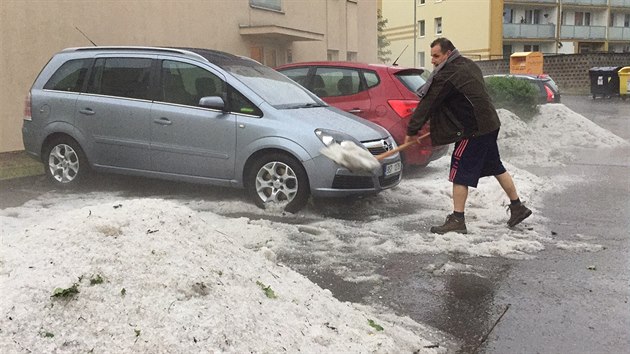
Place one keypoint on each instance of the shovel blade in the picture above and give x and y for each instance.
(351, 156)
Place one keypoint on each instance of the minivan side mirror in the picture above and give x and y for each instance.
(214, 102)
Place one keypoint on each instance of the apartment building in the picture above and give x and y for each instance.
(566, 26)
(493, 29)
(273, 32)
(474, 27)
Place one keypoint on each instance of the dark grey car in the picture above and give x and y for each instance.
(195, 115)
(548, 91)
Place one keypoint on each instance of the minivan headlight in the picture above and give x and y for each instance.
(329, 137)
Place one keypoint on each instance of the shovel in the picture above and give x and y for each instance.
(401, 147)
(355, 158)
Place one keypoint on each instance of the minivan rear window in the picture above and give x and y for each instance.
(70, 76)
(412, 79)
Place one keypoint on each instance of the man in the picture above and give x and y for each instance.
(455, 102)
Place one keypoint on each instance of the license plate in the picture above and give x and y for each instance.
(393, 168)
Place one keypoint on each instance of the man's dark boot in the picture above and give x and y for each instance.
(518, 213)
(452, 224)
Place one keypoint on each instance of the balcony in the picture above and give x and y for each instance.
(583, 32)
(620, 3)
(585, 2)
(619, 33)
(523, 30)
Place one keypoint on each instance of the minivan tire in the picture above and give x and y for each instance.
(278, 178)
(65, 162)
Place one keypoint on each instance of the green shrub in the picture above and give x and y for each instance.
(518, 96)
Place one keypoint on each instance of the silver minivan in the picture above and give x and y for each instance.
(195, 115)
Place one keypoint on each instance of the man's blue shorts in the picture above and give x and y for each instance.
(474, 158)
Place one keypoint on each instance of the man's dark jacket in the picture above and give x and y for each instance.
(457, 105)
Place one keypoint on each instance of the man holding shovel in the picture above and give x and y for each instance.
(455, 102)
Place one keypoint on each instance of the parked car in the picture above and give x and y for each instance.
(548, 91)
(385, 95)
(195, 115)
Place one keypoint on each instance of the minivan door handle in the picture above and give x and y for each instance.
(87, 111)
(162, 121)
(355, 110)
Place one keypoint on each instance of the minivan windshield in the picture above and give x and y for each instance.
(275, 88)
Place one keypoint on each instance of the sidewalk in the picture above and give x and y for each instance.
(18, 164)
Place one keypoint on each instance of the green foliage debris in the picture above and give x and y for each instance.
(67, 292)
(96, 280)
(375, 325)
(267, 289)
(47, 334)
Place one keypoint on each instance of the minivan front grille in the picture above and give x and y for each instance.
(378, 147)
(388, 181)
(352, 182)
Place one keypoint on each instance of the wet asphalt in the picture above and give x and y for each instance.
(558, 302)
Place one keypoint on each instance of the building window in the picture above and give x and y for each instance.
(351, 56)
(438, 25)
(267, 4)
(582, 18)
(332, 55)
(611, 20)
(626, 20)
(421, 32)
(531, 48)
(508, 15)
(421, 59)
(421, 2)
(507, 51)
(532, 17)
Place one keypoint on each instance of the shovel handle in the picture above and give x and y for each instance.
(401, 147)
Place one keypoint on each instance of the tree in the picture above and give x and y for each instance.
(383, 42)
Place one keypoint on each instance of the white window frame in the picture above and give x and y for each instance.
(267, 4)
(422, 29)
(438, 26)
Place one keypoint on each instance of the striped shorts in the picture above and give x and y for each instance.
(474, 158)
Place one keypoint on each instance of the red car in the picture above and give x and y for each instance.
(382, 94)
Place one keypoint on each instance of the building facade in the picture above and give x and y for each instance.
(566, 26)
(274, 32)
(492, 29)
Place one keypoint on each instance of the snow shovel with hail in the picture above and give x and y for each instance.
(355, 158)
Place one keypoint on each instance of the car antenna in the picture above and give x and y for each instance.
(84, 35)
(401, 53)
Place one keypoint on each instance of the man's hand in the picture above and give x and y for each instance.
(409, 138)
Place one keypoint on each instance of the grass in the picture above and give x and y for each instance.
(19, 164)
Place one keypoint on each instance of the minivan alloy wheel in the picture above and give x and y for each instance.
(63, 163)
(276, 182)
(281, 180)
(66, 161)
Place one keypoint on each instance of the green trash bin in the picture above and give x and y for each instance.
(624, 82)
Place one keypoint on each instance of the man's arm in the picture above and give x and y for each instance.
(432, 99)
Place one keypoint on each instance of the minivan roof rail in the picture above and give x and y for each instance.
(154, 49)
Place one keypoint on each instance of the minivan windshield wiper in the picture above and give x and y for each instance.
(302, 105)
